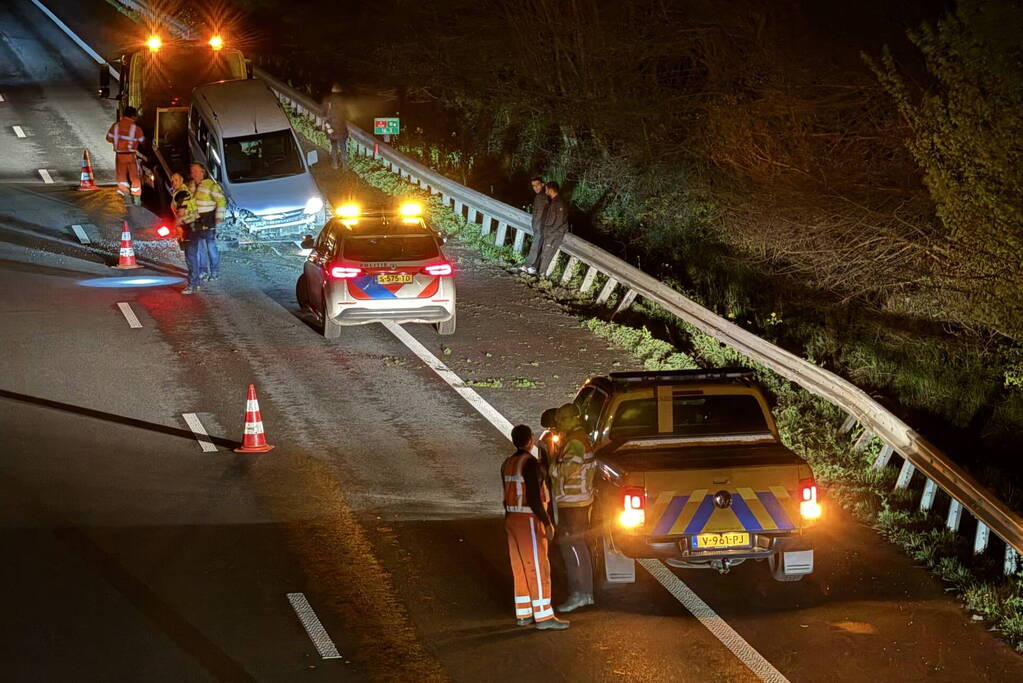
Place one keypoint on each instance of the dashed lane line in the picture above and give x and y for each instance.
(753, 660)
(193, 422)
(313, 627)
(19, 131)
(735, 643)
(81, 234)
(2, 97)
(47, 178)
(129, 315)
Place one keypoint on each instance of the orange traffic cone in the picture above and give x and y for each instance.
(254, 440)
(126, 260)
(88, 182)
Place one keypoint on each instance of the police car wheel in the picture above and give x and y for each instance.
(447, 327)
(774, 563)
(302, 293)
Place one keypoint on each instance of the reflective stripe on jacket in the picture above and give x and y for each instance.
(186, 211)
(574, 472)
(125, 136)
(209, 196)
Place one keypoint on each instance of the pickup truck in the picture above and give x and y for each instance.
(692, 472)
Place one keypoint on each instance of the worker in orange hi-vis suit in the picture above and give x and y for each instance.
(126, 136)
(529, 529)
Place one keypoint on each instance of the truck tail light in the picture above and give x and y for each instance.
(633, 512)
(439, 269)
(809, 508)
(345, 272)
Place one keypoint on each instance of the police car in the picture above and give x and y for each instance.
(375, 266)
(693, 472)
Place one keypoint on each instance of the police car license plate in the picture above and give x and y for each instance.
(729, 539)
(394, 278)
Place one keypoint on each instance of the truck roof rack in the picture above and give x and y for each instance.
(678, 376)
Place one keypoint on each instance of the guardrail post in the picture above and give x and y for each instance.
(955, 513)
(520, 239)
(905, 475)
(459, 207)
(485, 226)
(1011, 565)
(569, 269)
(927, 500)
(627, 300)
(609, 288)
(881, 461)
(863, 441)
(502, 231)
(850, 422)
(980, 539)
(591, 273)
(553, 264)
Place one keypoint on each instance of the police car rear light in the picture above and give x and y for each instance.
(344, 272)
(163, 231)
(809, 508)
(439, 269)
(633, 512)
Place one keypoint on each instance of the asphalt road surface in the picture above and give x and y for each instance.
(369, 544)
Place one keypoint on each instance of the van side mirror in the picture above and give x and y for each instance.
(104, 81)
(312, 157)
(307, 242)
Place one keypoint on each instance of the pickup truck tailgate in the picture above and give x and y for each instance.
(752, 498)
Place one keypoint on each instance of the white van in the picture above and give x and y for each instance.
(239, 132)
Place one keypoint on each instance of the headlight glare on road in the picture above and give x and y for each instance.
(314, 205)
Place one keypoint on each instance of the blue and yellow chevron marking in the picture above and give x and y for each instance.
(750, 511)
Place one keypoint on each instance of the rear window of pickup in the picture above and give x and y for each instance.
(692, 416)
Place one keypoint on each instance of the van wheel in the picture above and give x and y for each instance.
(447, 327)
(775, 564)
(302, 292)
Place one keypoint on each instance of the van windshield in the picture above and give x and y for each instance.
(262, 156)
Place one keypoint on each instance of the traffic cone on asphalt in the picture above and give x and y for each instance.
(126, 260)
(254, 440)
(88, 182)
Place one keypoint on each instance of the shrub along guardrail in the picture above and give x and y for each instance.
(510, 227)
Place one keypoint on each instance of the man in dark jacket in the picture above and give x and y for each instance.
(555, 225)
(540, 200)
(335, 111)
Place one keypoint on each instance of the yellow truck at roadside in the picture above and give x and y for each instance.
(692, 472)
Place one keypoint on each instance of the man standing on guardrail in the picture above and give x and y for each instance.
(335, 111)
(540, 201)
(555, 225)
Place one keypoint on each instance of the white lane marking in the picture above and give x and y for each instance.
(312, 625)
(18, 131)
(133, 320)
(2, 97)
(46, 176)
(715, 624)
(71, 34)
(80, 234)
(674, 585)
(475, 400)
(192, 420)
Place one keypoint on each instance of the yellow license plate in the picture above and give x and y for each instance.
(394, 278)
(729, 539)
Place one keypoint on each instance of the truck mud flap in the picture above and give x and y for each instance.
(617, 567)
(797, 561)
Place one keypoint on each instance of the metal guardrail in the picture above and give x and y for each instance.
(898, 438)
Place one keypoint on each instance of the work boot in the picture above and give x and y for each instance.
(525, 621)
(137, 201)
(575, 601)
(554, 624)
(189, 290)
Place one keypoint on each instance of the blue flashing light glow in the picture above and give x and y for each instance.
(121, 282)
